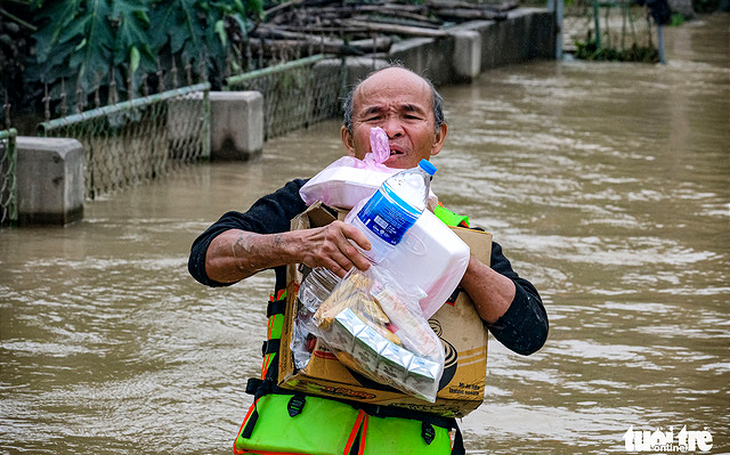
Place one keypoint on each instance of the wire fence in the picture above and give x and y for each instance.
(297, 93)
(8, 178)
(619, 30)
(143, 138)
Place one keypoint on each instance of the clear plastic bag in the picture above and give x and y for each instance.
(316, 286)
(375, 327)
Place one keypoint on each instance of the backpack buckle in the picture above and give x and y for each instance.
(295, 405)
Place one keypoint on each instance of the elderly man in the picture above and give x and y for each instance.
(409, 110)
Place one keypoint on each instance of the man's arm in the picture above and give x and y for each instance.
(240, 244)
(491, 292)
(237, 254)
(509, 305)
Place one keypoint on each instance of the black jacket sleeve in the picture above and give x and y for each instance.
(270, 214)
(524, 327)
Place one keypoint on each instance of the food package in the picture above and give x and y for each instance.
(348, 180)
(375, 327)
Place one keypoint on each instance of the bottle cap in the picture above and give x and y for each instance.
(427, 166)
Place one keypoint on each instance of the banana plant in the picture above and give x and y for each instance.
(82, 45)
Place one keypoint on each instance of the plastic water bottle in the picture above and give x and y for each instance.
(393, 209)
(316, 287)
(384, 219)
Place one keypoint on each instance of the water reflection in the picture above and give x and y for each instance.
(607, 184)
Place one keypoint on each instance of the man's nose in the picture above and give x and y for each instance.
(392, 127)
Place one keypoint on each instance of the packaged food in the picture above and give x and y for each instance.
(375, 327)
(348, 180)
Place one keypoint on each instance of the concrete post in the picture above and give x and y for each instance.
(236, 125)
(467, 55)
(558, 8)
(429, 57)
(50, 180)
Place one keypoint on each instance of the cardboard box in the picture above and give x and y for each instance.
(456, 323)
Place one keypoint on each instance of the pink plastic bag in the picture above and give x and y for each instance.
(348, 180)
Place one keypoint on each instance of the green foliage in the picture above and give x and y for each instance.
(676, 20)
(589, 50)
(88, 43)
(84, 40)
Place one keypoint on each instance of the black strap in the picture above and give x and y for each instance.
(275, 307)
(248, 429)
(427, 432)
(458, 448)
(270, 346)
(253, 385)
(260, 387)
(257, 388)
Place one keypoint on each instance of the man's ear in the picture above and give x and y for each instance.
(439, 139)
(347, 140)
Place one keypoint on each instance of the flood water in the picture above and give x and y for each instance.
(608, 185)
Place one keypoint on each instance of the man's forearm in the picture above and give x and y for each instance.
(234, 254)
(491, 292)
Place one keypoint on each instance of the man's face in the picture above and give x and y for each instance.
(400, 102)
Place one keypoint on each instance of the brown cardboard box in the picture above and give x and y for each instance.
(456, 323)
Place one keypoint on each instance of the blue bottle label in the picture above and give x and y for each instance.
(386, 219)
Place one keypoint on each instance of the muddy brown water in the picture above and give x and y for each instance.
(607, 184)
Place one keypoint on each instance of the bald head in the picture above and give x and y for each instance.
(397, 78)
(405, 106)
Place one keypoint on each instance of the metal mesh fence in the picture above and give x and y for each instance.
(128, 142)
(296, 93)
(8, 179)
(614, 30)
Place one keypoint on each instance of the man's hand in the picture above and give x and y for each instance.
(235, 254)
(330, 247)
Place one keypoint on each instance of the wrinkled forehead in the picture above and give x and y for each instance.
(393, 85)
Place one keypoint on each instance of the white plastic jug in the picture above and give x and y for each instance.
(433, 257)
(430, 256)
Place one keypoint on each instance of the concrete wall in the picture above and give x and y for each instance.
(527, 34)
(465, 50)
